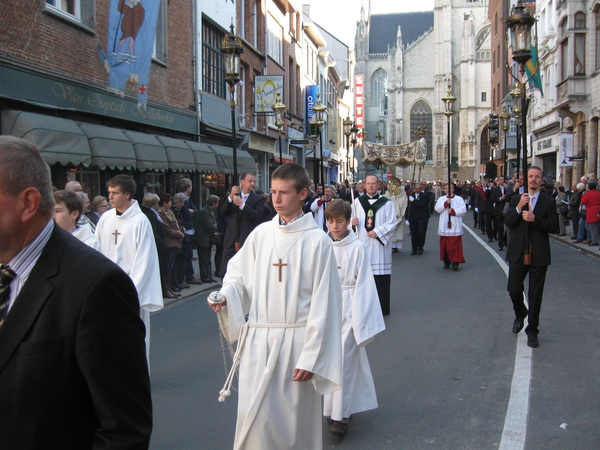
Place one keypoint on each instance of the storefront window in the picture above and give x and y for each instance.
(89, 180)
(154, 183)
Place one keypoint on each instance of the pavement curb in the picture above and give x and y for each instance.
(192, 291)
(583, 248)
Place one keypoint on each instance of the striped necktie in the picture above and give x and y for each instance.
(6, 276)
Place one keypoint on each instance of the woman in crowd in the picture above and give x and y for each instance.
(174, 236)
(98, 207)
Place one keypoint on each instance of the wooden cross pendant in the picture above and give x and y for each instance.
(115, 234)
(279, 265)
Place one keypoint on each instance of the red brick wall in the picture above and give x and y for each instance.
(40, 39)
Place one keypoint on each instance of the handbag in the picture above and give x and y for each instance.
(215, 238)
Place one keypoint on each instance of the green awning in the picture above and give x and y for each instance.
(109, 146)
(224, 157)
(204, 157)
(150, 153)
(60, 140)
(179, 155)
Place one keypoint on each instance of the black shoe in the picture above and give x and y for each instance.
(573, 237)
(518, 324)
(338, 429)
(532, 341)
(490, 240)
(175, 288)
(500, 247)
(413, 253)
(194, 281)
(446, 266)
(455, 266)
(394, 250)
(420, 251)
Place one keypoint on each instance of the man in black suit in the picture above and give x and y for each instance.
(498, 210)
(73, 370)
(206, 228)
(246, 211)
(535, 212)
(418, 218)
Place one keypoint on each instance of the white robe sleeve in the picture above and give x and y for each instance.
(322, 351)
(367, 319)
(385, 222)
(145, 272)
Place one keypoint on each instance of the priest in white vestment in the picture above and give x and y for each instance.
(375, 220)
(284, 279)
(318, 207)
(126, 238)
(399, 199)
(361, 321)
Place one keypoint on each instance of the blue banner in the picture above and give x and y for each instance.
(131, 35)
(311, 100)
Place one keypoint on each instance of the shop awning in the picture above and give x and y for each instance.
(204, 157)
(179, 155)
(224, 157)
(60, 140)
(150, 153)
(109, 146)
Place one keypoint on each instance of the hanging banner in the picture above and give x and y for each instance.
(311, 100)
(359, 113)
(266, 90)
(566, 150)
(402, 155)
(131, 35)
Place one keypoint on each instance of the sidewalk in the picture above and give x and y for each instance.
(583, 248)
(195, 288)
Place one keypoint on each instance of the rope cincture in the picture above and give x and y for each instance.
(226, 391)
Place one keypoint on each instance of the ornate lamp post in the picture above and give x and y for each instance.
(449, 100)
(379, 138)
(231, 47)
(354, 130)
(519, 24)
(319, 110)
(278, 109)
(504, 117)
(347, 132)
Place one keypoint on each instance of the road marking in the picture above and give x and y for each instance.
(515, 421)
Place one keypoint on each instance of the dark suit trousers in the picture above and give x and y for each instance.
(383, 283)
(418, 231)
(515, 286)
(490, 226)
(499, 219)
(228, 253)
(185, 269)
(204, 262)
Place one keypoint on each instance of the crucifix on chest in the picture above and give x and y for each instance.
(116, 234)
(279, 265)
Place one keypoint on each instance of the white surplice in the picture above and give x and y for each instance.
(380, 251)
(400, 202)
(361, 321)
(319, 213)
(457, 203)
(135, 253)
(85, 234)
(292, 323)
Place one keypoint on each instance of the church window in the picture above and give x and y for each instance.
(379, 88)
(420, 116)
(579, 62)
(580, 20)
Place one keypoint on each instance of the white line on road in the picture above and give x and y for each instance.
(515, 421)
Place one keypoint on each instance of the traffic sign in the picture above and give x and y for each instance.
(389, 174)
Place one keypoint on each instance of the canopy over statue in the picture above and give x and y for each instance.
(402, 155)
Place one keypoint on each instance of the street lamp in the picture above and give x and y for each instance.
(278, 109)
(449, 100)
(319, 110)
(354, 130)
(231, 47)
(504, 117)
(347, 132)
(519, 24)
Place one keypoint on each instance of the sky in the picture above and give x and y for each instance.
(339, 17)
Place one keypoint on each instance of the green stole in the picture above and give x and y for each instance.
(371, 209)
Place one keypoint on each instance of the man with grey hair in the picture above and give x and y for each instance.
(85, 207)
(78, 340)
(318, 207)
(206, 234)
(74, 186)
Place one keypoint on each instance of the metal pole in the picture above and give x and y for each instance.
(280, 148)
(449, 179)
(322, 176)
(233, 144)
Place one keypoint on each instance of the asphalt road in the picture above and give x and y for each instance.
(449, 372)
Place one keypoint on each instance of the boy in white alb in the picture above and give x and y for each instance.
(361, 321)
(126, 238)
(284, 281)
